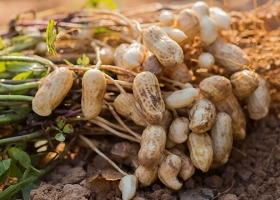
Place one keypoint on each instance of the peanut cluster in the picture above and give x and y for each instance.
(190, 114)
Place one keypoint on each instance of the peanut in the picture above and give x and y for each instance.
(202, 116)
(152, 145)
(244, 83)
(258, 102)
(147, 93)
(201, 150)
(120, 104)
(175, 34)
(179, 130)
(93, 91)
(181, 74)
(166, 18)
(152, 64)
(128, 186)
(221, 18)
(167, 51)
(52, 90)
(145, 175)
(134, 56)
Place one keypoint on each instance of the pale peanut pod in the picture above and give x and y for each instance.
(175, 34)
(106, 55)
(244, 83)
(206, 60)
(152, 64)
(134, 56)
(166, 18)
(201, 150)
(187, 21)
(215, 88)
(152, 146)
(145, 175)
(232, 107)
(223, 52)
(120, 104)
(187, 168)
(181, 98)
(179, 130)
(128, 185)
(221, 18)
(181, 74)
(118, 54)
(167, 51)
(168, 170)
(52, 90)
(222, 138)
(202, 116)
(258, 103)
(147, 93)
(93, 91)
(208, 30)
(201, 8)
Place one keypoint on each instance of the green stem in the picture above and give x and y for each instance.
(15, 98)
(11, 88)
(34, 59)
(22, 138)
(10, 118)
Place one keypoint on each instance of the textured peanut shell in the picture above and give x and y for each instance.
(201, 151)
(121, 103)
(181, 74)
(147, 93)
(223, 52)
(167, 51)
(259, 101)
(215, 88)
(152, 146)
(202, 116)
(93, 91)
(145, 175)
(244, 83)
(168, 170)
(52, 90)
(222, 138)
(179, 130)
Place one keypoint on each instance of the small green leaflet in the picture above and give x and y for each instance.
(51, 36)
(23, 76)
(101, 4)
(60, 137)
(1, 43)
(84, 60)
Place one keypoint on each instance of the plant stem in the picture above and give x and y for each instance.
(10, 88)
(15, 98)
(11, 118)
(22, 138)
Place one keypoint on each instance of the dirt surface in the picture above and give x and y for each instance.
(252, 172)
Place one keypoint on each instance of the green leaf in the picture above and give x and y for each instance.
(50, 37)
(14, 153)
(15, 171)
(26, 191)
(101, 30)
(60, 121)
(101, 4)
(60, 137)
(84, 60)
(23, 76)
(1, 43)
(68, 128)
(2, 67)
(4, 169)
(24, 160)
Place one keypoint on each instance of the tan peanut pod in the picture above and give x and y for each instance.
(215, 88)
(244, 83)
(222, 138)
(258, 103)
(93, 91)
(169, 143)
(223, 52)
(152, 146)
(106, 55)
(128, 185)
(166, 120)
(52, 90)
(181, 74)
(147, 93)
(187, 168)
(187, 21)
(168, 170)
(145, 175)
(181, 98)
(121, 103)
(201, 150)
(166, 18)
(134, 56)
(179, 130)
(167, 51)
(152, 64)
(202, 116)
